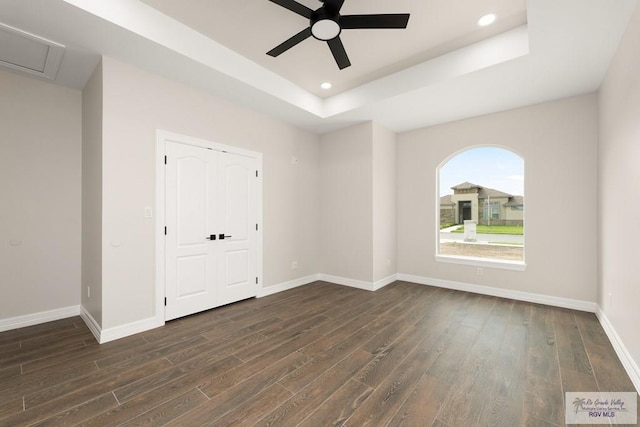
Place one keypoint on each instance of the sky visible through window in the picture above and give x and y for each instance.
(491, 167)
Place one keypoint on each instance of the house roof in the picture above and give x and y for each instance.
(515, 201)
(446, 201)
(465, 186)
(483, 193)
(486, 193)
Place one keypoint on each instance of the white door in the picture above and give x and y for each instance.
(237, 193)
(211, 237)
(191, 217)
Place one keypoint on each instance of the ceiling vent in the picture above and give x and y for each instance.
(29, 53)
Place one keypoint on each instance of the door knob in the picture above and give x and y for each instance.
(211, 237)
(221, 236)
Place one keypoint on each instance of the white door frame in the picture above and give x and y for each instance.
(162, 137)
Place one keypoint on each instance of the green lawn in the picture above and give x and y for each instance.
(495, 229)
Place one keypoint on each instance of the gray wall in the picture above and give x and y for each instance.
(92, 195)
(39, 196)
(558, 141)
(347, 200)
(619, 191)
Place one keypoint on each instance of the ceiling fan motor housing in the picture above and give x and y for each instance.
(325, 24)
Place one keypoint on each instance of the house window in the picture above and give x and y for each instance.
(481, 188)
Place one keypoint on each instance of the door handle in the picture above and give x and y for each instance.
(211, 237)
(221, 236)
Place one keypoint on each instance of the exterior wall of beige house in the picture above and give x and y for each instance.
(484, 205)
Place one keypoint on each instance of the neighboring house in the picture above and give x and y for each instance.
(485, 205)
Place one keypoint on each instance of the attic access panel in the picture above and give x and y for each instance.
(28, 53)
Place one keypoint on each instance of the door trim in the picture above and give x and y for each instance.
(162, 137)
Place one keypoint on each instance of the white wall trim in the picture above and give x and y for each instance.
(359, 284)
(91, 323)
(353, 283)
(122, 331)
(111, 334)
(384, 282)
(629, 364)
(503, 293)
(37, 318)
(285, 286)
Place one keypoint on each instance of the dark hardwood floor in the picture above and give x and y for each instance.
(322, 354)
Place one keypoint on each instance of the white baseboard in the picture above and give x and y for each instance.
(91, 323)
(117, 332)
(384, 282)
(353, 283)
(270, 290)
(503, 293)
(359, 284)
(37, 318)
(621, 350)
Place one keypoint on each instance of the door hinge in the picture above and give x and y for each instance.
(256, 174)
(165, 160)
(165, 301)
(256, 227)
(165, 230)
(256, 280)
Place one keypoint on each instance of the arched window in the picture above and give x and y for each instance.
(481, 208)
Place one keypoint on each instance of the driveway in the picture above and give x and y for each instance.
(503, 238)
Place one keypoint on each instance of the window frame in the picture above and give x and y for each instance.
(495, 263)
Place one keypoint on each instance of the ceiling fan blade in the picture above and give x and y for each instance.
(291, 42)
(333, 5)
(295, 7)
(340, 55)
(392, 20)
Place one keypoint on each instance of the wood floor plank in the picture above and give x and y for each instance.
(309, 398)
(77, 414)
(544, 398)
(35, 331)
(10, 407)
(248, 413)
(390, 395)
(336, 410)
(572, 354)
(82, 355)
(169, 411)
(26, 384)
(94, 384)
(422, 405)
(237, 396)
(150, 351)
(162, 377)
(435, 357)
(153, 398)
(283, 337)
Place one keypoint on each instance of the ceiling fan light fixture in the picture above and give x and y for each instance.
(487, 20)
(325, 29)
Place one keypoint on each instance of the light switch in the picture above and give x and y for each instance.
(148, 212)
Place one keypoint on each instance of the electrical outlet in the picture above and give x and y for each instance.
(88, 291)
(480, 271)
(294, 265)
(388, 262)
(610, 300)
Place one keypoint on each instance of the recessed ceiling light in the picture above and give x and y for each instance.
(487, 19)
(325, 85)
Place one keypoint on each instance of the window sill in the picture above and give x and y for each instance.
(482, 262)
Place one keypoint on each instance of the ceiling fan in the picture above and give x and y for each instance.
(326, 24)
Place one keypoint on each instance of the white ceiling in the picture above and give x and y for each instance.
(564, 49)
(253, 27)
